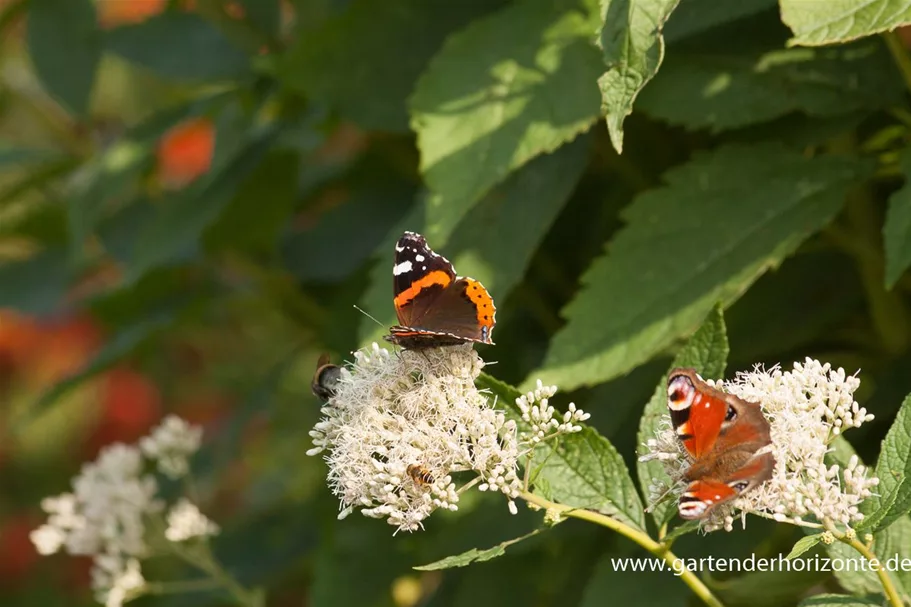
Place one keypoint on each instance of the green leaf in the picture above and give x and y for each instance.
(393, 48)
(65, 47)
(582, 470)
(36, 285)
(474, 555)
(486, 245)
(897, 229)
(818, 23)
(894, 472)
(504, 90)
(707, 352)
(633, 48)
(610, 584)
(703, 89)
(179, 45)
(693, 17)
(804, 544)
(686, 247)
(837, 600)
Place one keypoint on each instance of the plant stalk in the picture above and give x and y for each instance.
(885, 580)
(643, 539)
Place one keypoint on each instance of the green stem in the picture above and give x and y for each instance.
(203, 560)
(900, 55)
(182, 586)
(887, 309)
(885, 580)
(658, 549)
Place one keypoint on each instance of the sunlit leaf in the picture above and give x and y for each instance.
(633, 49)
(816, 22)
(504, 90)
(685, 248)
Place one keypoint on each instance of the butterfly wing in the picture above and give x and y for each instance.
(418, 271)
(464, 309)
(703, 495)
(697, 411)
(431, 299)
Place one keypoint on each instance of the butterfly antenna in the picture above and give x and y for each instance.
(370, 317)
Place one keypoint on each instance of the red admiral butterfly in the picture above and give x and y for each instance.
(723, 434)
(434, 306)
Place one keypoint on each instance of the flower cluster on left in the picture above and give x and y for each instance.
(115, 515)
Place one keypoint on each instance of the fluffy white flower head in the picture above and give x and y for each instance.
(185, 522)
(402, 424)
(171, 444)
(117, 581)
(807, 408)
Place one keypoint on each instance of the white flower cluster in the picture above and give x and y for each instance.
(170, 444)
(401, 425)
(540, 416)
(807, 408)
(106, 515)
(186, 522)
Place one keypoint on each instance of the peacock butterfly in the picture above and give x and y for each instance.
(725, 437)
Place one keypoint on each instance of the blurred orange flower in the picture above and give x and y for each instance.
(130, 405)
(112, 13)
(18, 335)
(185, 152)
(46, 351)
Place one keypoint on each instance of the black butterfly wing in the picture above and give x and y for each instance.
(419, 277)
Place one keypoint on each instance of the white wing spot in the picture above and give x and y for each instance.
(401, 268)
(419, 258)
(399, 249)
(423, 268)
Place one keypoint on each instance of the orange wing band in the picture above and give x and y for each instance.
(483, 302)
(437, 277)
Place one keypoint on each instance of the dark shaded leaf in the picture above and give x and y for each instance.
(179, 45)
(65, 47)
(35, 285)
(393, 48)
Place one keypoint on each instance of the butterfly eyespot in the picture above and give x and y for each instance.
(730, 415)
(676, 395)
(739, 486)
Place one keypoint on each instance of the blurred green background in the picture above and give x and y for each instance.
(193, 195)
